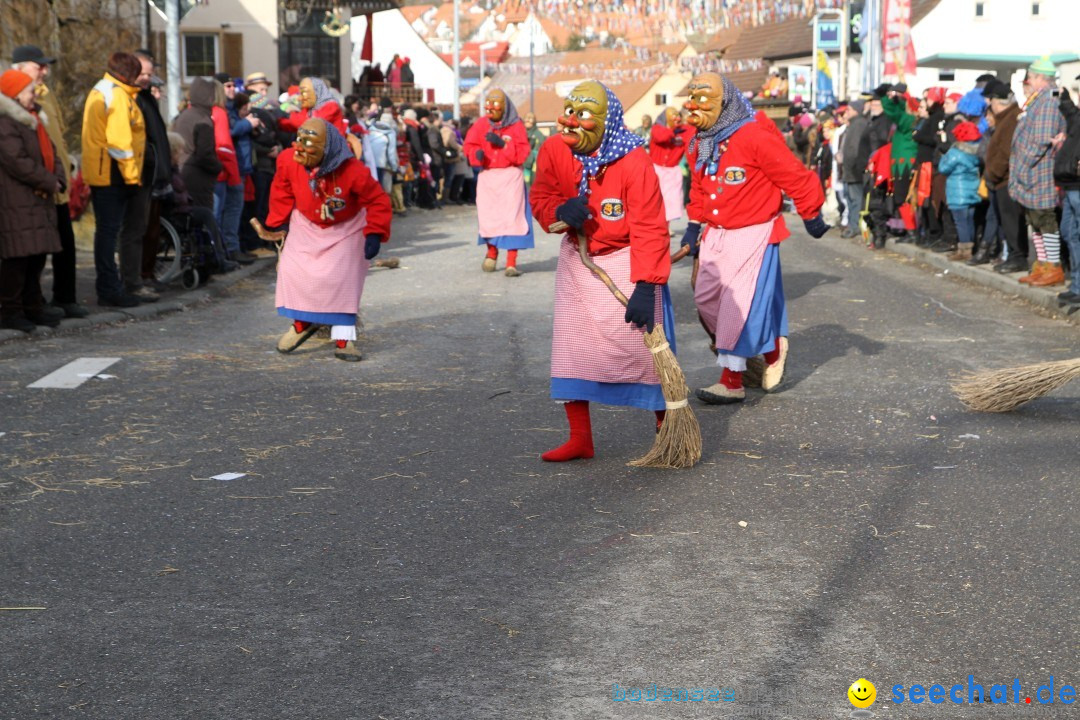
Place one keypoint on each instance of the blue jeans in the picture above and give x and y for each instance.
(856, 199)
(964, 217)
(110, 208)
(228, 208)
(1070, 232)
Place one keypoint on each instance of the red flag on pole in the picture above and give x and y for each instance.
(897, 47)
(366, 52)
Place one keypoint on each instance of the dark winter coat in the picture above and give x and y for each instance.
(27, 210)
(1067, 160)
(265, 140)
(856, 149)
(880, 132)
(199, 165)
(438, 150)
(1000, 147)
(927, 136)
(156, 168)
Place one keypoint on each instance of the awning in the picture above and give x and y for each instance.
(976, 61)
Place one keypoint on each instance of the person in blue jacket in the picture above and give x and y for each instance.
(960, 166)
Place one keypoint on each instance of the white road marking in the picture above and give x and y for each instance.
(74, 374)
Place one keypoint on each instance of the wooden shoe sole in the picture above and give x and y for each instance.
(349, 353)
(719, 394)
(488, 265)
(292, 339)
(774, 374)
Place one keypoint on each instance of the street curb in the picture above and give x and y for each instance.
(112, 316)
(982, 275)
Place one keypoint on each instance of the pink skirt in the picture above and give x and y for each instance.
(730, 261)
(591, 338)
(500, 202)
(671, 187)
(322, 270)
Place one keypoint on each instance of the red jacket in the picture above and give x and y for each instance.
(226, 153)
(331, 112)
(359, 190)
(517, 146)
(665, 147)
(625, 202)
(747, 187)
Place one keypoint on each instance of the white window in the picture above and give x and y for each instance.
(980, 9)
(946, 75)
(1035, 8)
(661, 99)
(200, 55)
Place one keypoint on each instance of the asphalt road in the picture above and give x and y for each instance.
(396, 548)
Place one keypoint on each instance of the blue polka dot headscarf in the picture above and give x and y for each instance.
(617, 141)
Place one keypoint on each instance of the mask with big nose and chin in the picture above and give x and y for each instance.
(584, 117)
(307, 94)
(706, 100)
(495, 105)
(310, 144)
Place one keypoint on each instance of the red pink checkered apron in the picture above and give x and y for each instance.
(730, 261)
(591, 340)
(671, 188)
(322, 269)
(500, 202)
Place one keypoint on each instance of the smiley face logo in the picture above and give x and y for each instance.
(862, 693)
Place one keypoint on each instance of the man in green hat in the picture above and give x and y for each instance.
(1031, 170)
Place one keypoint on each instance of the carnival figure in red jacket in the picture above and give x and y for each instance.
(316, 101)
(498, 144)
(595, 177)
(668, 139)
(740, 167)
(338, 216)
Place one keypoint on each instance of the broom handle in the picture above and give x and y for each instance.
(559, 226)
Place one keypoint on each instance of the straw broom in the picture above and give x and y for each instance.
(1003, 390)
(678, 444)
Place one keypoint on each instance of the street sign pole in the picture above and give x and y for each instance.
(172, 56)
(457, 62)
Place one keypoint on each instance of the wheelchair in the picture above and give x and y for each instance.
(185, 252)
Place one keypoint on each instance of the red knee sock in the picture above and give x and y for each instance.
(493, 252)
(659, 418)
(774, 354)
(300, 326)
(580, 443)
(511, 258)
(341, 344)
(731, 379)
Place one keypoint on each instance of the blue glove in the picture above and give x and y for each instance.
(372, 243)
(816, 226)
(479, 156)
(574, 212)
(495, 140)
(641, 309)
(690, 238)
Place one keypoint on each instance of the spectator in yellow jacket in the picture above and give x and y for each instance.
(113, 143)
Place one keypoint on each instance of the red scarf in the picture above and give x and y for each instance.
(44, 143)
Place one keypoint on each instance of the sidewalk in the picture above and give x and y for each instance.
(174, 299)
(1044, 298)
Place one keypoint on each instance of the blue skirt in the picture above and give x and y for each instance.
(768, 311)
(317, 317)
(639, 395)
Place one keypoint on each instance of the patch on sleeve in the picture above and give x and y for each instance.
(735, 176)
(612, 209)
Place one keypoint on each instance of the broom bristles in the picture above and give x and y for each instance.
(1003, 390)
(678, 444)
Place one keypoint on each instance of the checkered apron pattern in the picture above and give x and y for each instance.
(671, 188)
(500, 202)
(322, 269)
(591, 340)
(730, 261)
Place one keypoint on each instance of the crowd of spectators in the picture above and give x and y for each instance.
(209, 173)
(978, 174)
